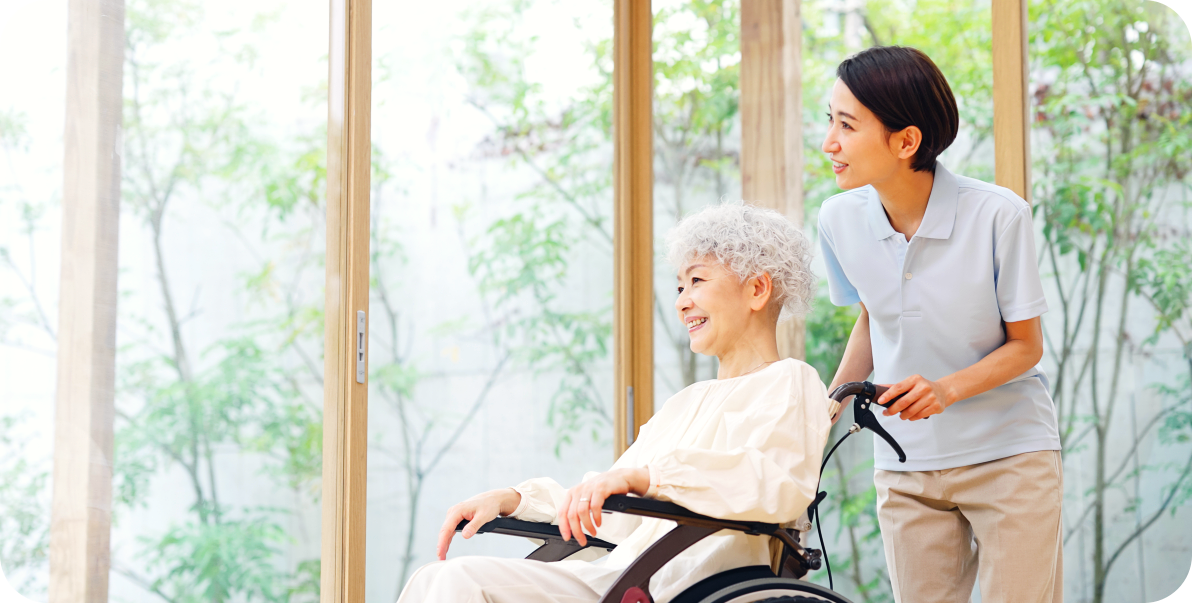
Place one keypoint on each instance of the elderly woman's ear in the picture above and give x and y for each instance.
(760, 289)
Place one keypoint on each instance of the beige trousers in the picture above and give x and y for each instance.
(1000, 519)
(495, 580)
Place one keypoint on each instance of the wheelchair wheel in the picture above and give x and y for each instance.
(774, 590)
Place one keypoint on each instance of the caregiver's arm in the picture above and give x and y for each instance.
(857, 363)
(1022, 350)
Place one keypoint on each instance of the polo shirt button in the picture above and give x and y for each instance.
(908, 276)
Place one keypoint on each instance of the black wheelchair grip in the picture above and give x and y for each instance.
(881, 390)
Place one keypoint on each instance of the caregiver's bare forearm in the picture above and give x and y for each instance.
(1022, 350)
(857, 362)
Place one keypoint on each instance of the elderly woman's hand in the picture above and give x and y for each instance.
(582, 504)
(478, 510)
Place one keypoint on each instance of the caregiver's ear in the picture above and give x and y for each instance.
(905, 142)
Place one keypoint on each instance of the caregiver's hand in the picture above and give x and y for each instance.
(479, 510)
(581, 505)
(923, 398)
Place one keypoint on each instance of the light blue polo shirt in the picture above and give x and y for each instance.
(936, 305)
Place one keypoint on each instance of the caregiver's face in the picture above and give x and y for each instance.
(857, 142)
(713, 305)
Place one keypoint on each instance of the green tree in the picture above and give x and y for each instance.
(24, 508)
(1113, 105)
(188, 137)
(522, 257)
(25, 326)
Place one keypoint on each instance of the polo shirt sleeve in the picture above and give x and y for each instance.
(840, 290)
(1016, 271)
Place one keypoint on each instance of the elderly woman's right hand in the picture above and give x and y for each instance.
(478, 510)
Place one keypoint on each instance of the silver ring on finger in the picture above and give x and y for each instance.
(583, 500)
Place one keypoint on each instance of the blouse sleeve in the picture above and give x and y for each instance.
(540, 500)
(769, 470)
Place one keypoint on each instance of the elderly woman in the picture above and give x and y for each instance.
(746, 445)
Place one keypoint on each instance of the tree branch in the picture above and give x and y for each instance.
(593, 221)
(459, 429)
(141, 582)
(1175, 488)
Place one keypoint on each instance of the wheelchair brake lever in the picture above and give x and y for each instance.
(863, 416)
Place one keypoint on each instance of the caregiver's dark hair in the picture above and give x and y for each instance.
(903, 88)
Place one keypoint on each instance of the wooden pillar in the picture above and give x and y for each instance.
(772, 122)
(633, 234)
(81, 520)
(1011, 124)
(345, 398)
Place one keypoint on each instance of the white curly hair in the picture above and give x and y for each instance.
(749, 241)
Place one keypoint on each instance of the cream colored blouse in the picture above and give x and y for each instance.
(746, 448)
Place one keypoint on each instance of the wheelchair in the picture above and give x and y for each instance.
(741, 585)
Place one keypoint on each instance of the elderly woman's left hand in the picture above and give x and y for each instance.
(581, 507)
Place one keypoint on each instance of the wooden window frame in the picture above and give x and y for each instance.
(1011, 123)
(84, 414)
(345, 400)
(772, 123)
(633, 224)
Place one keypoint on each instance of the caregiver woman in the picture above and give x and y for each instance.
(944, 269)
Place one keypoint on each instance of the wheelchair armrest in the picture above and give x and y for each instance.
(660, 509)
(692, 527)
(508, 526)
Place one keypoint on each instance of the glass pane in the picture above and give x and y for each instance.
(697, 150)
(218, 372)
(1111, 98)
(30, 242)
(492, 264)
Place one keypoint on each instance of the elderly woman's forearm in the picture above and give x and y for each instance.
(510, 500)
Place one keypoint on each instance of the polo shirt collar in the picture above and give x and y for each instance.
(938, 219)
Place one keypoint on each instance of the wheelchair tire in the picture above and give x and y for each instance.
(797, 599)
(774, 590)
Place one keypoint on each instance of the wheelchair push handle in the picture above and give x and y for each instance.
(881, 389)
(864, 396)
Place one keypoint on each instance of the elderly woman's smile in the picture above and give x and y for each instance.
(707, 290)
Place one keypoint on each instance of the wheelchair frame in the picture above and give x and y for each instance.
(634, 582)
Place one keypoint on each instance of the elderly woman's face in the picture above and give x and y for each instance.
(714, 305)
